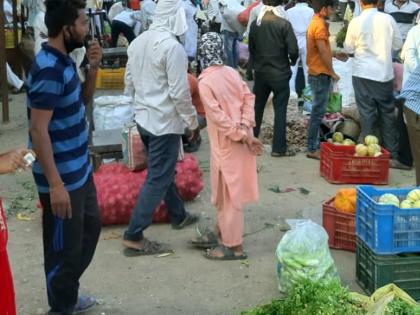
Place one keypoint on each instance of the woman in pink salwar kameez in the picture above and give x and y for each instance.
(229, 107)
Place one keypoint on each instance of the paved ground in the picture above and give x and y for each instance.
(183, 283)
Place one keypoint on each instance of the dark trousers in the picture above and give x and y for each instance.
(263, 86)
(413, 128)
(162, 155)
(404, 151)
(118, 27)
(375, 102)
(69, 246)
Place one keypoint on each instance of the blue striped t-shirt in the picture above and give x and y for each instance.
(53, 84)
(411, 91)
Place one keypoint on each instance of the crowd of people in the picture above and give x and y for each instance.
(167, 38)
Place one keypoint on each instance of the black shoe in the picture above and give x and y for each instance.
(190, 219)
(193, 146)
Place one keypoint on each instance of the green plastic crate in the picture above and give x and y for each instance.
(374, 271)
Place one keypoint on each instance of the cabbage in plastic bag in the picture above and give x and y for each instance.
(303, 253)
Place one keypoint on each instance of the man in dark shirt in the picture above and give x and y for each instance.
(273, 48)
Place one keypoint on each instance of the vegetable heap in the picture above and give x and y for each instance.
(327, 298)
(312, 298)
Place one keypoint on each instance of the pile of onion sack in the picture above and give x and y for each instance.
(118, 188)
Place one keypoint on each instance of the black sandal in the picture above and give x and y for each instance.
(149, 248)
(283, 154)
(228, 254)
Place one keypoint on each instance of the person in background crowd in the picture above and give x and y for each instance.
(342, 6)
(9, 162)
(300, 16)
(214, 16)
(232, 30)
(194, 144)
(163, 109)
(12, 78)
(410, 96)
(272, 69)
(191, 36)
(63, 173)
(404, 13)
(320, 69)
(33, 7)
(410, 52)
(372, 37)
(147, 10)
(230, 115)
(124, 22)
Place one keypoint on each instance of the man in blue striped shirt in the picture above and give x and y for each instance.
(58, 135)
(411, 94)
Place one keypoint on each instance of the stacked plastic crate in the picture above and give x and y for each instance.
(388, 242)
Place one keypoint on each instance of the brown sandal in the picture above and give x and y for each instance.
(228, 254)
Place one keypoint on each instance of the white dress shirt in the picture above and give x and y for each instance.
(372, 37)
(404, 15)
(300, 17)
(213, 11)
(411, 52)
(156, 75)
(127, 17)
(230, 9)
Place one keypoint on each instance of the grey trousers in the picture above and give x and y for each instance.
(375, 102)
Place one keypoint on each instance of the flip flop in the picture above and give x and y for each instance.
(84, 304)
(228, 254)
(205, 241)
(150, 248)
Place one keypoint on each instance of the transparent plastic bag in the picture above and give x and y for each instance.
(303, 253)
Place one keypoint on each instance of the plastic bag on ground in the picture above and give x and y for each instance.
(377, 303)
(303, 253)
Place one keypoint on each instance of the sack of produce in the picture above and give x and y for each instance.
(112, 112)
(133, 148)
(302, 254)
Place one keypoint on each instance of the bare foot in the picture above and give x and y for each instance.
(133, 244)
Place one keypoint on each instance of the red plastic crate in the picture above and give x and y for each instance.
(341, 227)
(339, 166)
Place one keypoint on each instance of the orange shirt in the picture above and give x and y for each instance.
(195, 95)
(317, 30)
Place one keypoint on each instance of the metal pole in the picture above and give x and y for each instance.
(3, 73)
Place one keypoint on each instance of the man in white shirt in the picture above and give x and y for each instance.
(232, 30)
(214, 16)
(404, 12)
(123, 22)
(156, 78)
(372, 37)
(191, 36)
(300, 16)
(410, 52)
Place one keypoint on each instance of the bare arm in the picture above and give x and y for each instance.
(94, 55)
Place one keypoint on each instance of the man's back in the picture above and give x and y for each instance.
(273, 44)
(155, 61)
(300, 16)
(372, 37)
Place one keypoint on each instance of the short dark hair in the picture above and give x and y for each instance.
(60, 13)
(369, 2)
(317, 5)
(273, 3)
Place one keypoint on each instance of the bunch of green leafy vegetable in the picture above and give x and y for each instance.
(399, 307)
(341, 36)
(312, 298)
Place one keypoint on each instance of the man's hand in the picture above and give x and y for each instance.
(254, 145)
(60, 202)
(94, 54)
(335, 77)
(342, 56)
(13, 160)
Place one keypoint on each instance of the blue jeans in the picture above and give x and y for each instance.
(162, 155)
(230, 43)
(321, 87)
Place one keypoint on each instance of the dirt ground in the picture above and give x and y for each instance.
(183, 283)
